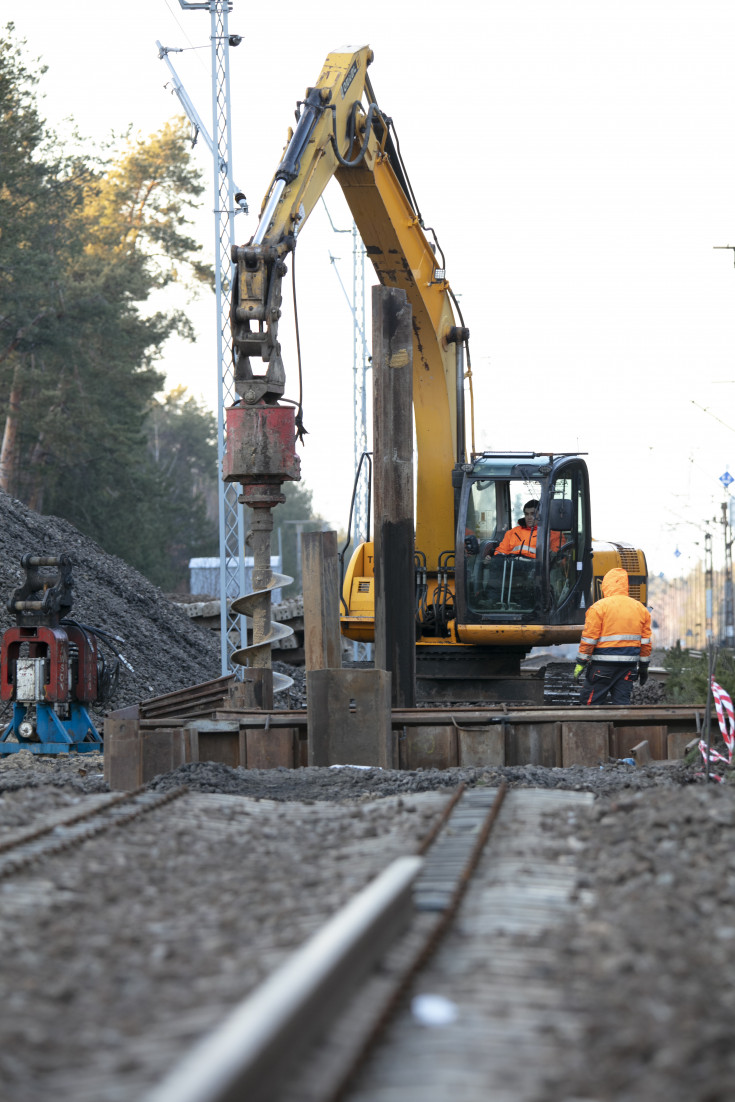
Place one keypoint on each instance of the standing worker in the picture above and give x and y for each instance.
(616, 641)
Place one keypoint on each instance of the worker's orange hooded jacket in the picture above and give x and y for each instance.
(522, 541)
(617, 628)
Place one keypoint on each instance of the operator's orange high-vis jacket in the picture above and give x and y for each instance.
(522, 541)
(617, 628)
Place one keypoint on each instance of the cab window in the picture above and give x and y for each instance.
(567, 535)
(502, 584)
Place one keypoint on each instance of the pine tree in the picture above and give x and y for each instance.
(84, 246)
(182, 442)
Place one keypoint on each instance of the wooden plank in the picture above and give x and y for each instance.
(533, 744)
(161, 751)
(642, 753)
(465, 716)
(216, 689)
(624, 738)
(272, 749)
(430, 747)
(254, 692)
(222, 747)
(480, 746)
(131, 712)
(263, 719)
(677, 743)
(122, 755)
(320, 572)
(218, 742)
(230, 724)
(349, 718)
(585, 743)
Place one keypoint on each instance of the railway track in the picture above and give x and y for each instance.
(496, 972)
(308, 1035)
(63, 831)
(141, 921)
(131, 926)
(569, 966)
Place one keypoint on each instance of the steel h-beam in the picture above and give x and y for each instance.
(393, 524)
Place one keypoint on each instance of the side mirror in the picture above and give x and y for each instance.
(561, 514)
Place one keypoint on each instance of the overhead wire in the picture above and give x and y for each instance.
(180, 26)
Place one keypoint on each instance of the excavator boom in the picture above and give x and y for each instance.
(339, 134)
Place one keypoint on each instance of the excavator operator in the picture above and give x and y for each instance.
(521, 540)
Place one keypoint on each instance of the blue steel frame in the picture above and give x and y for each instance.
(55, 736)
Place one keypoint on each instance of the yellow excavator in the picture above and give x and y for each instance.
(477, 611)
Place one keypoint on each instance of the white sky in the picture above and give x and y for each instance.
(577, 160)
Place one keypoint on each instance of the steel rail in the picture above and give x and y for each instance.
(251, 1053)
(77, 817)
(50, 839)
(266, 1037)
(424, 954)
(433, 834)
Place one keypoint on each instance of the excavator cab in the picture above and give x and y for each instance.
(545, 579)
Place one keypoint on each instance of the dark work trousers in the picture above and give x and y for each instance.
(601, 678)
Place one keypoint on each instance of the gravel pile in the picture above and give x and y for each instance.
(83, 773)
(165, 649)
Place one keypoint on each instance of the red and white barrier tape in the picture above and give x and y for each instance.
(726, 720)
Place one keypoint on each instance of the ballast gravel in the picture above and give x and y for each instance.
(121, 952)
(647, 961)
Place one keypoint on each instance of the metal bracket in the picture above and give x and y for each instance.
(187, 5)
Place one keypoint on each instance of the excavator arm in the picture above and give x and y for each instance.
(341, 132)
(325, 133)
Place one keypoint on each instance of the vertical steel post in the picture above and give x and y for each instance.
(395, 623)
(231, 513)
(709, 575)
(359, 390)
(729, 636)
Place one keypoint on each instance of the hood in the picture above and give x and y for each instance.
(615, 583)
